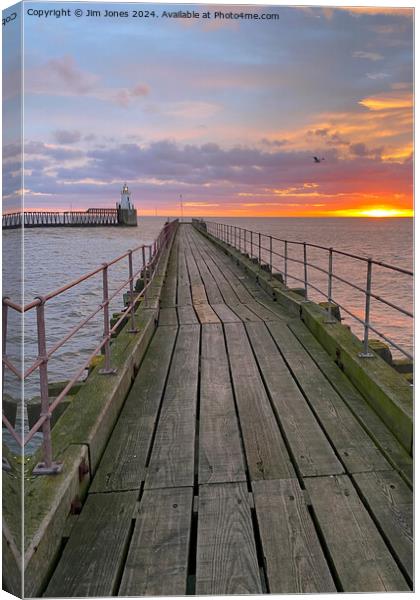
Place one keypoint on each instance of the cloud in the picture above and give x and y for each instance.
(60, 76)
(380, 10)
(62, 136)
(368, 55)
(388, 101)
(63, 77)
(204, 204)
(377, 75)
(209, 173)
(47, 151)
(359, 149)
(125, 96)
(330, 12)
(273, 143)
(327, 136)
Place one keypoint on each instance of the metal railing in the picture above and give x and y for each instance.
(256, 244)
(146, 272)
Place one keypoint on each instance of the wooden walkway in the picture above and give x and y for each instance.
(243, 460)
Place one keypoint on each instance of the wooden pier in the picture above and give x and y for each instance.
(243, 460)
(92, 217)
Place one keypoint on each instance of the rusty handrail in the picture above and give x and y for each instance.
(248, 241)
(147, 272)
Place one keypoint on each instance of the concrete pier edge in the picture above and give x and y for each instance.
(79, 439)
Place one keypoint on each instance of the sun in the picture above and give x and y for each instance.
(376, 212)
(384, 212)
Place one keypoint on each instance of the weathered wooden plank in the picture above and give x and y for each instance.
(232, 273)
(172, 459)
(220, 452)
(213, 294)
(312, 451)
(353, 445)
(266, 453)
(226, 554)
(169, 291)
(184, 291)
(94, 554)
(361, 559)
(157, 560)
(390, 501)
(186, 315)
(246, 315)
(366, 416)
(198, 291)
(223, 283)
(206, 314)
(168, 316)
(261, 311)
(247, 289)
(122, 466)
(294, 559)
(225, 314)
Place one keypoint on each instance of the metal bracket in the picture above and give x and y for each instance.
(42, 469)
(133, 331)
(5, 465)
(366, 355)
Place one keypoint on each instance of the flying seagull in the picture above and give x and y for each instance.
(317, 160)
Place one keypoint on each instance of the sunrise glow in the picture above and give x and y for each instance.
(376, 212)
(261, 121)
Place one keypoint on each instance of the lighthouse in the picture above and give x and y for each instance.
(127, 214)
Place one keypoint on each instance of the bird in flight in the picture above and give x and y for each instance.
(317, 160)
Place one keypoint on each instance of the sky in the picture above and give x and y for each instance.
(225, 115)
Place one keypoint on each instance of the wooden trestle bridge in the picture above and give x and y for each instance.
(92, 217)
(243, 460)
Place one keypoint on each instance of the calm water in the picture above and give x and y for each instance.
(53, 257)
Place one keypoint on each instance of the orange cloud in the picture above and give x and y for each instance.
(388, 101)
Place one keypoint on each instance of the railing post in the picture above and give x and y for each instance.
(252, 244)
(107, 370)
(259, 248)
(4, 336)
(330, 280)
(48, 466)
(271, 257)
(130, 272)
(143, 252)
(305, 270)
(366, 352)
(285, 262)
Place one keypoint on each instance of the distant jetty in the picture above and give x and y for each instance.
(123, 215)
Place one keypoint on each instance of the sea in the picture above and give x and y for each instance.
(52, 257)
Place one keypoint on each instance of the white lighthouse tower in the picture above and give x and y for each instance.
(125, 202)
(127, 214)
